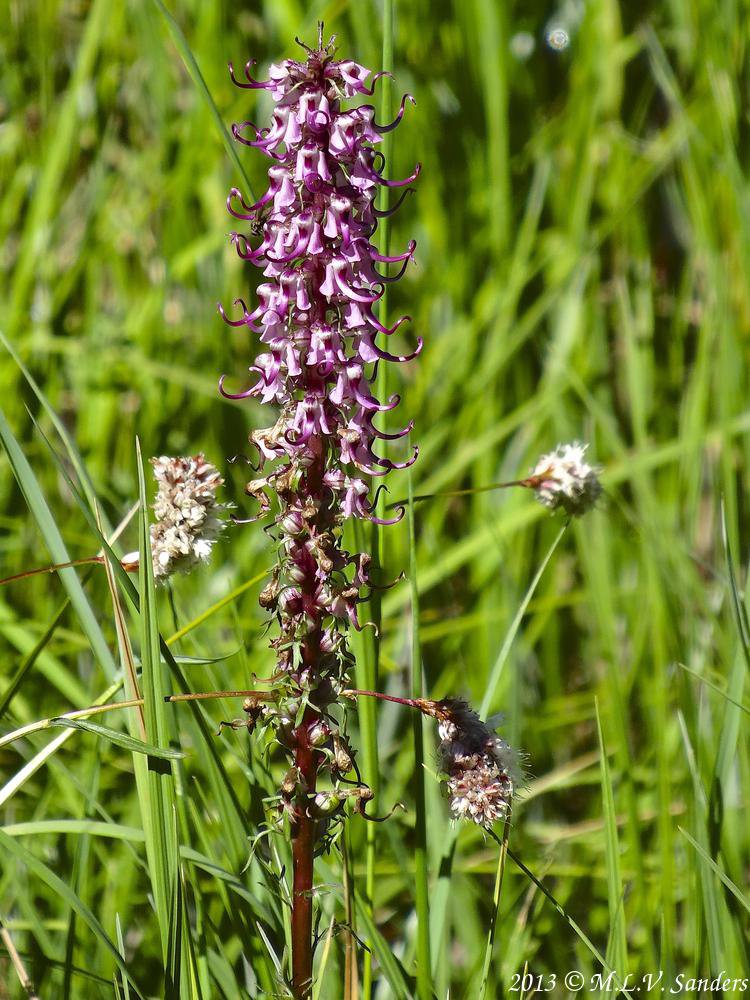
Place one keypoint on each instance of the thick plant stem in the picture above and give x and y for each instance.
(303, 845)
(306, 761)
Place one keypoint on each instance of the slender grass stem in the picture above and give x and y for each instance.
(495, 909)
(214, 695)
(50, 569)
(531, 482)
(82, 713)
(424, 962)
(372, 663)
(23, 976)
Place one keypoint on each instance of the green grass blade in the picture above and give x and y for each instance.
(497, 668)
(58, 148)
(722, 876)
(198, 79)
(424, 961)
(487, 961)
(73, 453)
(66, 894)
(30, 659)
(124, 986)
(617, 952)
(159, 823)
(715, 687)
(394, 974)
(366, 646)
(441, 892)
(90, 827)
(590, 946)
(53, 540)
(119, 739)
(712, 914)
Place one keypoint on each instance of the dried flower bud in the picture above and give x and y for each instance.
(292, 523)
(563, 479)
(342, 756)
(269, 595)
(290, 781)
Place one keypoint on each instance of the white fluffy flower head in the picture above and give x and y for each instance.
(564, 479)
(481, 769)
(188, 518)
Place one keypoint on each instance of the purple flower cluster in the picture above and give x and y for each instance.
(315, 312)
(311, 233)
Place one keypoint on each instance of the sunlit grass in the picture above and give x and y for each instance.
(583, 238)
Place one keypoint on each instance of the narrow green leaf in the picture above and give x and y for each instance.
(737, 893)
(442, 888)
(424, 960)
(502, 656)
(53, 539)
(391, 967)
(121, 946)
(198, 79)
(73, 454)
(92, 827)
(159, 824)
(714, 687)
(119, 739)
(30, 659)
(574, 926)
(617, 950)
(56, 884)
(710, 897)
(495, 912)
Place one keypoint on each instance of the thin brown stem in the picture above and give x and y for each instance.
(531, 482)
(422, 704)
(23, 976)
(51, 569)
(209, 695)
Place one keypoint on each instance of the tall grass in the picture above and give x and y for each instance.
(583, 238)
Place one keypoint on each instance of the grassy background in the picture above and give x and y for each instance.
(583, 239)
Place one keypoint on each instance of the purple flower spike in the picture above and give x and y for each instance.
(311, 235)
(318, 329)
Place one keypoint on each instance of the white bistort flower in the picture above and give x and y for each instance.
(564, 479)
(481, 769)
(188, 518)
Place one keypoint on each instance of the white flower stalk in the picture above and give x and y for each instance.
(189, 520)
(480, 768)
(564, 479)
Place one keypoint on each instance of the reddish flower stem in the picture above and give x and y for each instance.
(419, 703)
(303, 849)
(307, 761)
(51, 569)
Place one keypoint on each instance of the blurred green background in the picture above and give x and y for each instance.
(582, 273)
